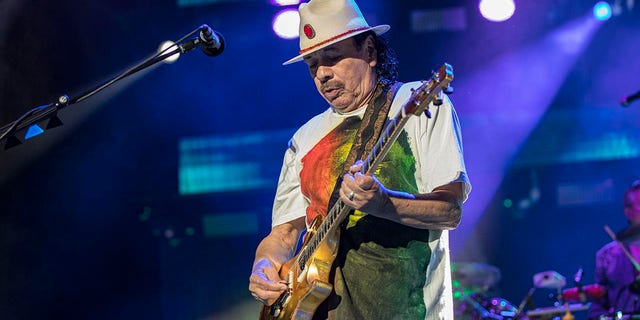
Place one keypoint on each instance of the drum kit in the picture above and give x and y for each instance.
(473, 282)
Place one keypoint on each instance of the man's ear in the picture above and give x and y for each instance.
(372, 52)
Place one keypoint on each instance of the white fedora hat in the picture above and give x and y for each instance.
(325, 22)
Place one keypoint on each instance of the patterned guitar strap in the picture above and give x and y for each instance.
(369, 131)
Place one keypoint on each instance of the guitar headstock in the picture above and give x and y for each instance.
(430, 90)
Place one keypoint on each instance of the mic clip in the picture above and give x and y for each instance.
(211, 42)
(190, 45)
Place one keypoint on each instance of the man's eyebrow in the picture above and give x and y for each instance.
(329, 49)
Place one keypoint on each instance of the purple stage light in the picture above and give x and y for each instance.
(285, 24)
(503, 102)
(285, 2)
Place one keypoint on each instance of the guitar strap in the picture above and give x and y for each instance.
(369, 131)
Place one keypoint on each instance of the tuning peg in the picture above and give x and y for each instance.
(427, 113)
(448, 90)
(439, 100)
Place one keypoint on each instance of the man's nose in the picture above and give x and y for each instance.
(324, 73)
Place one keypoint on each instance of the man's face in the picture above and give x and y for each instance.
(632, 206)
(344, 76)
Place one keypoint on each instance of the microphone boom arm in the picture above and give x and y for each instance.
(50, 111)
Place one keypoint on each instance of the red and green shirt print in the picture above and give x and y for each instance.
(325, 162)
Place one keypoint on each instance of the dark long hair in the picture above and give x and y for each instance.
(387, 68)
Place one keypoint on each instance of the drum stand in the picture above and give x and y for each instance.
(484, 314)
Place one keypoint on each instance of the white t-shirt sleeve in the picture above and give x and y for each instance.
(289, 203)
(437, 146)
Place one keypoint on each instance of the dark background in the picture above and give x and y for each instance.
(93, 223)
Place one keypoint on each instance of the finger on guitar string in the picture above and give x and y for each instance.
(264, 272)
(265, 292)
(264, 289)
(363, 182)
(358, 182)
(346, 195)
(356, 167)
(261, 282)
(349, 186)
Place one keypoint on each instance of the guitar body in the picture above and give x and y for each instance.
(308, 288)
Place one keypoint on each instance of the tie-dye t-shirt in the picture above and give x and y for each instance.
(411, 264)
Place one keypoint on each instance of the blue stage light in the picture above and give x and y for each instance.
(602, 10)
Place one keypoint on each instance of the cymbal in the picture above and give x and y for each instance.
(629, 234)
(475, 276)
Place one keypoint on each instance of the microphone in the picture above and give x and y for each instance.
(625, 101)
(577, 279)
(212, 42)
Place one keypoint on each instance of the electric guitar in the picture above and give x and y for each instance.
(307, 274)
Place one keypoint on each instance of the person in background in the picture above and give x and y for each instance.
(616, 271)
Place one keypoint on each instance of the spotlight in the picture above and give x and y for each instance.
(172, 46)
(602, 11)
(285, 2)
(497, 10)
(285, 24)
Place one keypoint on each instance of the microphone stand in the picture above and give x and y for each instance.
(577, 279)
(50, 111)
